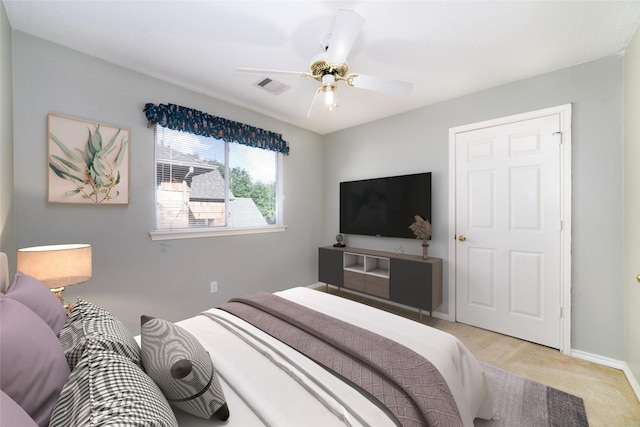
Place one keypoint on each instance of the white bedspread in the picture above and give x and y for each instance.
(268, 383)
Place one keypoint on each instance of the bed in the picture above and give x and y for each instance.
(260, 379)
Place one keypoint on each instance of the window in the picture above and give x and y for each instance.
(214, 176)
(204, 183)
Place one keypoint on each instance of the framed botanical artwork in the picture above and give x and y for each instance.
(88, 162)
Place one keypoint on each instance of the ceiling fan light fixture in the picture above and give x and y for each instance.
(329, 87)
(329, 98)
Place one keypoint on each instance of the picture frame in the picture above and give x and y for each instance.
(87, 162)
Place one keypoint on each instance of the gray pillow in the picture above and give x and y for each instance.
(33, 365)
(182, 368)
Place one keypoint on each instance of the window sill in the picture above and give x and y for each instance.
(198, 233)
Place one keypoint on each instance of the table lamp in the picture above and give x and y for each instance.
(57, 266)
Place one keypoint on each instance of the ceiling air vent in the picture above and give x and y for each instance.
(272, 86)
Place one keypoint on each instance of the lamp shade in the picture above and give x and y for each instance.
(57, 265)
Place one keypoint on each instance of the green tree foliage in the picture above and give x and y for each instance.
(264, 195)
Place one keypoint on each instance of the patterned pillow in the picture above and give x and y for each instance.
(38, 298)
(107, 388)
(182, 368)
(88, 322)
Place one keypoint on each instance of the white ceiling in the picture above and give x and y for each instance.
(446, 48)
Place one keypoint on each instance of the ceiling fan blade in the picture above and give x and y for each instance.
(281, 72)
(316, 104)
(346, 30)
(379, 84)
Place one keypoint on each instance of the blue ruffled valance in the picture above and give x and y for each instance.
(193, 121)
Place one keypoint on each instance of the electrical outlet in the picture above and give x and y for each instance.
(214, 287)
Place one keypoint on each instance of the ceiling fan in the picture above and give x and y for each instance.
(330, 67)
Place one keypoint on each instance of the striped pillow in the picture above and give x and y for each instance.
(108, 389)
(182, 368)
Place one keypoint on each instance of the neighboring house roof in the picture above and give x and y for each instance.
(208, 186)
(243, 212)
(175, 166)
(166, 154)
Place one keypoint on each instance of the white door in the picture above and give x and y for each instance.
(508, 228)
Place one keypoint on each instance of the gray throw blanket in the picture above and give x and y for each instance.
(405, 382)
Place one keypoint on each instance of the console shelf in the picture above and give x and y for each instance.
(404, 279)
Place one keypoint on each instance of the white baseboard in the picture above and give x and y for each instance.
(612, 363)
(633, 381)
(601, 360)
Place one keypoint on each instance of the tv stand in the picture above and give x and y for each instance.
(404, 279)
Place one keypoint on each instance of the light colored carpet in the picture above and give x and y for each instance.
(608, 397)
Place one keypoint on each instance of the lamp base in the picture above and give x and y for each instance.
(58, 293)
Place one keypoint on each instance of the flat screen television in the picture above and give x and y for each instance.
(384, 206)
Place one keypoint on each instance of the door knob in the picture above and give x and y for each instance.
(638, 278)
(462, 238)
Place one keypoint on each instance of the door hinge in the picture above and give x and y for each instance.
(559, 134)
(561, 312)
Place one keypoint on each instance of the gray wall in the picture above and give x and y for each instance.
(418, 141)
(133, 274)
(6, 134)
